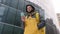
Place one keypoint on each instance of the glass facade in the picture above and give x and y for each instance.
(10, 15)
(10, 29)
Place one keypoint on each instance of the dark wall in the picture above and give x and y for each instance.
(50, 27)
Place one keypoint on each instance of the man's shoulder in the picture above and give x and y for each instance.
(37, 12)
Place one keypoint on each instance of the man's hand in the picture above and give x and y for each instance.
(23, 18)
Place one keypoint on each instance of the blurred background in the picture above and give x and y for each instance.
(10, 18)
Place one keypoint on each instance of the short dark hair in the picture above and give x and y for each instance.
(31, 6)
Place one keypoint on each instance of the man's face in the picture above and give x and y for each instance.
(29, 8)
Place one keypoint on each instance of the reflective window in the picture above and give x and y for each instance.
(2, 11)
(13, 17)
(14, 3)
(18, 4)
(0, 18)
(18, 30)
(10, 29)
(6, 2)
(21, 4)
(5, 14)
(0, 0)
(1, 28)
(18, 18)
(7, 29)
(3, 1)
(10, 15)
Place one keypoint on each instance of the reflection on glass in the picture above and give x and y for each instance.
(14, 3)
(21, 5)
(10, 29)
(3, 1)
(0, 0)
(10, 15)
(1, 28)
(2, 10)
(0, 18)
(7, 29)
(18, 30)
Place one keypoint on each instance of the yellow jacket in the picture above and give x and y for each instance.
(31, 25)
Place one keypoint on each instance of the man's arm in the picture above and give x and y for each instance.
(41, 25)
(42, 22)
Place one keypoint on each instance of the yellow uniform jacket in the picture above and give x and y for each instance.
(31, 25)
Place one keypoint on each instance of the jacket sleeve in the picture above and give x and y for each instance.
(41, 25)
(41, 21)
